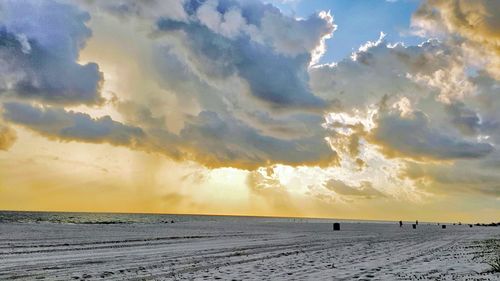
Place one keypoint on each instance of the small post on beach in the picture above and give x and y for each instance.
(443, 226)
(414, 226)
(336, 226)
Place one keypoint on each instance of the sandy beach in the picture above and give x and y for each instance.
(245, 250)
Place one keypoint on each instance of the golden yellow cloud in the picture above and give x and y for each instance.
(7, 137)
(476, 23)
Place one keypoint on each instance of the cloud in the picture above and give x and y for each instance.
(366, 189)
(236, 84)
(7, 137)
(464, 119)
(229, 24)
(380, 69)
(427, 105)
(126, 9)
(458, 177)
(200, 140)
(293, 37)
(414, 136)
(474, 27)
(39, 47)
(485, 104)
(64, 125)
(244, 147)
(436, 119)
(241, 38)
(225, 84)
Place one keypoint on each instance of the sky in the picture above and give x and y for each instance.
(382, 110)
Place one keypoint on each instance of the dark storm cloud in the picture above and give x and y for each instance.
(464, 119)
(67, 125)
(413, 136)
(276, 71)
(245, 147)
(39, 46)
(461, 176)
(200, 140)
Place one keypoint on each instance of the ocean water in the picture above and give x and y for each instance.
(123, 218)
(94, 218)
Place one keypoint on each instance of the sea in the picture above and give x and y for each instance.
(136, 218)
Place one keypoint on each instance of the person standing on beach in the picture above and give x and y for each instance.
(400, 223)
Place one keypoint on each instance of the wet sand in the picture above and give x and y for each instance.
(244, 251)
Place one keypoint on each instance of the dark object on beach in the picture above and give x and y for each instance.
(171, 221)
(443, 226)
(400, 223)
(459, 223)
(336, 226)
(414, 226)
(470, 225)
(416, 222)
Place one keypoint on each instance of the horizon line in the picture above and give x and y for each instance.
(235, 215)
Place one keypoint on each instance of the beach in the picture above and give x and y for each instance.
(245, 249)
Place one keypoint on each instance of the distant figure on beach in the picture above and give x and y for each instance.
(400, 223)
(416, 222)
